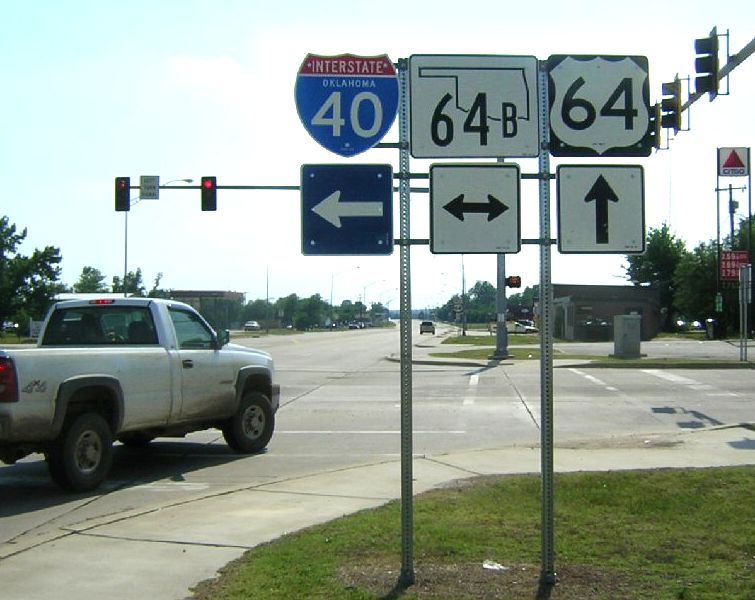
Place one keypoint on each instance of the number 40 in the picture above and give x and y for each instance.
(329, 114)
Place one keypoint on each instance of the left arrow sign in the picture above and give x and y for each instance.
(333, 210)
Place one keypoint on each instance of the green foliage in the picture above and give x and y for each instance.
(695, 283)
(91, 280)
(28, 284)
(133, 285)
(656, 267)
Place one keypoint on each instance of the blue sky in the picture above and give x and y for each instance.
(182, 89)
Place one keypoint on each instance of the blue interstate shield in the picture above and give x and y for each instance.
(347, 103)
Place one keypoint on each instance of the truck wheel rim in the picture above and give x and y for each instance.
(88, 452)
(254, 422)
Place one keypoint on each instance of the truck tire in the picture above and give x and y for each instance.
(81, 457)
(251, 428)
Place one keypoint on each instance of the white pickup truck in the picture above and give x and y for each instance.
(129, 369)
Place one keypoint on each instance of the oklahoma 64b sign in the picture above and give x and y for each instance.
(599, 106)
(347, 103)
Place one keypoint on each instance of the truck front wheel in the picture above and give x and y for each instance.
(81, 457)
(251, 428)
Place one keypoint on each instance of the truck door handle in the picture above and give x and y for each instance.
(188, 364)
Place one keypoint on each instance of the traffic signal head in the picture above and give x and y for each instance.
(514, 281)
(122, 193)
(209, 193)
(671, 105)
(706, 64)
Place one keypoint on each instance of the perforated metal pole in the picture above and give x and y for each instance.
(548, 572)
(407, 492)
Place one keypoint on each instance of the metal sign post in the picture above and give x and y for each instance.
(407, 512)
(547, 570)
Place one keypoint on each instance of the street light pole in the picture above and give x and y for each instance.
(125, 232)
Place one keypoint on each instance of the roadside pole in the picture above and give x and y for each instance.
(547, 571)
(407, 491)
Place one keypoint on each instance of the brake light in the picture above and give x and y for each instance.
(8, 380)
(102, 301)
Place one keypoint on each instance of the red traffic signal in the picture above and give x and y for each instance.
(514, 281)
(209, 193)
(122, 194)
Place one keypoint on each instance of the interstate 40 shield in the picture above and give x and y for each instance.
(347, 103)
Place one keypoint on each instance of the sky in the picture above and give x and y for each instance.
(92, 90)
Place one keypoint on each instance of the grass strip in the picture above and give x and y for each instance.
(661, 534)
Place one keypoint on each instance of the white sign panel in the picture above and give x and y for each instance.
(733, 162)
(599, 106)
(471, 106)
(474, 209)
(601, 209)
(149, 187)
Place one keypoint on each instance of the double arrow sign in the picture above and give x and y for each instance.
(492, 208)
(474, 209)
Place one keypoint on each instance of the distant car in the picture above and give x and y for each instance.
(426, 327)
(252, 326)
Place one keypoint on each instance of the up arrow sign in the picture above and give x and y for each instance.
(601, 209)
(600, 193)
(333, 210)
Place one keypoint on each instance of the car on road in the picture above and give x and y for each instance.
(426, 327)
(252, 326)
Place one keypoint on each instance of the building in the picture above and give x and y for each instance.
(586, 312)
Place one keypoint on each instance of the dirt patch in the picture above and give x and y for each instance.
(473, 581)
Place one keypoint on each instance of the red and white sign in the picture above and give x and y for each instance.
(731, 261)
(733, 162)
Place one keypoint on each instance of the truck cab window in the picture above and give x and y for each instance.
(191, 331)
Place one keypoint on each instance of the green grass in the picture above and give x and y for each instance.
(527, 347)
(663, 534)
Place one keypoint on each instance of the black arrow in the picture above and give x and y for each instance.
(493, 207)
(601, 192)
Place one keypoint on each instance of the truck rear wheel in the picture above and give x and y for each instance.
(81, 457)
(251, 428)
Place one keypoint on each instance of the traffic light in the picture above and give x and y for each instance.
(209, 193)
(514, 281)
(706, 64)
(122, 194)
(655, 122)
(671, 105)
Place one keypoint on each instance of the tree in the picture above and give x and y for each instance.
(90, 281)
(481, 302)
(656, 267)
(310, 312)
(695, 283)
(28, 284)
(133, 284)
(156, 291)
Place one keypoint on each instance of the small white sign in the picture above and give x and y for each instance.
(474, 209)
(601, 209)
(149, 187)
(733, 162)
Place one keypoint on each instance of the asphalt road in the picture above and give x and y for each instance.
(341, 408)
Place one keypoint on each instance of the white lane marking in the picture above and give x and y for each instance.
(471, 394)
(594, 380)
(691, 383)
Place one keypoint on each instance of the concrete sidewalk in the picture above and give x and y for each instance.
(160, 553)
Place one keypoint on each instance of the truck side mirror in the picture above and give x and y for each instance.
(224, 336)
